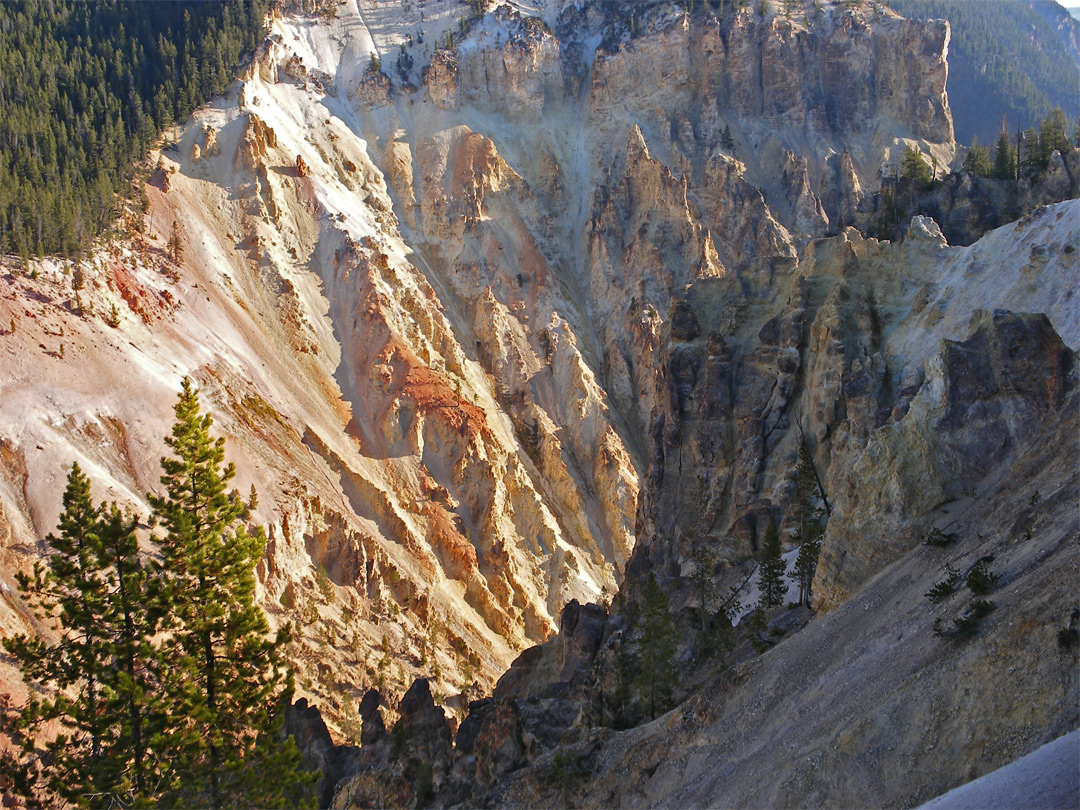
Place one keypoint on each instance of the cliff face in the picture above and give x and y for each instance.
(849, 708)
(486, 326)
(436, 463)
(851, 351)
(964, 430)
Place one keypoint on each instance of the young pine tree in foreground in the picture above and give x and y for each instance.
(227, 683)
(100, 674)
(165, 687)
(133, 614)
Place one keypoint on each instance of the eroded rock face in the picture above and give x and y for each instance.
(374, 89)
(816, 85)
(875, 657)
(536, 702)
(982, 400)
(964, 435)
(841, 190)
(404, 768)
(373, 728)
(561, 663)
(837, 350)
(517, 74)
(393, 455)
(423, 726)
(643, 246)
(257, 139)
(674, 205)
(305, 725)
(440, 79)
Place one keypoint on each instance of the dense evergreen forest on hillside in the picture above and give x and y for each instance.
(86, 89)
(1006, 58)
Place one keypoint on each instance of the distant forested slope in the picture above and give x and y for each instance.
(85, 90)
(1007, 57)
(1063, 22)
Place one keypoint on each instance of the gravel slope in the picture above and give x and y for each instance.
(1046, 778)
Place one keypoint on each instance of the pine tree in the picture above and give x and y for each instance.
(1004, 159)
(1031, 154)
(132, 615)
(175, 245)
(187, 717)
(771, 582)
(619, 703)
(657, 678)
(68, 592)
(102, 669)
(227, 680)
(1052, 135)
(977, 161)
(703, 583)
(806, 564)
(726, 139)
(104, 81)
(809, 517)
(913, 166)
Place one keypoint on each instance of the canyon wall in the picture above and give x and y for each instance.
(489, 322)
